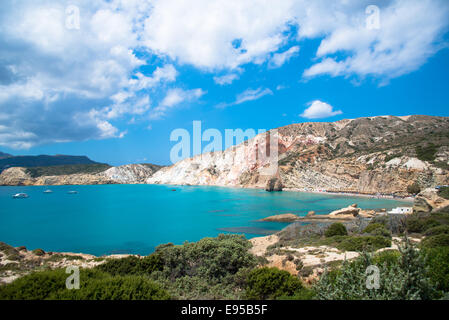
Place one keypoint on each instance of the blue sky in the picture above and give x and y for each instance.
(117, 86)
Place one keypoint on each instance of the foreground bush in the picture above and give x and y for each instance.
(438, 267)
(439, 240)
(215, 265)
(94, 285)
(336, 229)
(132, 265)
(404, 279)
(115, 288)
(364, 243)
(271, 283)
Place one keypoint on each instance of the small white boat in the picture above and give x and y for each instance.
(20, 196)
(48, 191)
(72, 192)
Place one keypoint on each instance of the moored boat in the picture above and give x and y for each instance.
(20, 196)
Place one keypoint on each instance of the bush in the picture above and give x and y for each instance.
(414, 188)
(426, 153)
(387, 257)
(210, 268)
(336, 229)
(38, 252)
(444, 192)
(437, 230)
(439, 240)
(132, 265)
(36, 286)
(364, 243)
(421, 224)
(115, 288)
(377, 229)
(271, 283)
(437, 260)
(404, 279)
(94, 285)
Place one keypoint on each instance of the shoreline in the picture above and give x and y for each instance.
(299, 190)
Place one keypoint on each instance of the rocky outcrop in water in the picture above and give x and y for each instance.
(368, 155)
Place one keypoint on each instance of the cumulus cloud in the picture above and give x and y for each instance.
(279, 59)
(409, 32)
(218, 34)
(318, 110)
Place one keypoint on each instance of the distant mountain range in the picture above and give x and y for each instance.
(4, 155)
(8, 161)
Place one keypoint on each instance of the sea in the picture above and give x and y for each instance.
(134, 219)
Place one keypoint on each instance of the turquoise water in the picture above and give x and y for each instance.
(135, 218)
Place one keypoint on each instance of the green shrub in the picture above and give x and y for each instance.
(426, 153)
(132, 265)
(444, 192)
(115, 288)
(414, 188)
(444, 229)
(438, 267)
(336, 229)
(210, 268)
(36, 286)
(439, 240)
(388, 257)
(362, 243)
(377, 229)
(271, 283)
(421, 224)
(94, 285)
(404, 279)
(38, 252)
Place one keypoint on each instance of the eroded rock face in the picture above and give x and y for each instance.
(429, 201)
(131, 173)
(366, 155)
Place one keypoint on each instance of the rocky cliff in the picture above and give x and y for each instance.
(383, 154)
(128, 174)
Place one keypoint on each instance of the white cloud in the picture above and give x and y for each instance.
(174, 98)
(408, 36)
(279, 59)
(226, 79)
(202, 32)
(247, 95)
(250, 95)
(319, 110)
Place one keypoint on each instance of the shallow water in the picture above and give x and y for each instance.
(109, 219)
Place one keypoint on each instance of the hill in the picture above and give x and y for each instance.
(384, 154)
(4, 155)
(43, 161)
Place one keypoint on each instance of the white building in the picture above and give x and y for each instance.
(401, 210)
